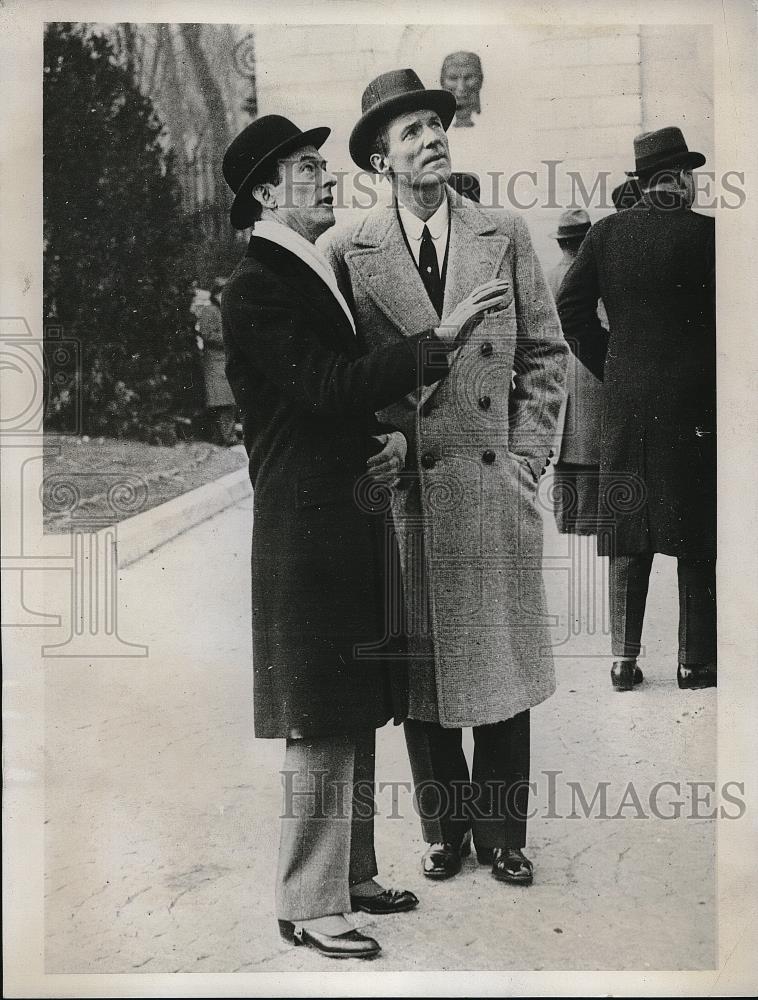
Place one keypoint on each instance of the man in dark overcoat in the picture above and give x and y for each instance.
(654, 268)
(321, 563)
(468, 521)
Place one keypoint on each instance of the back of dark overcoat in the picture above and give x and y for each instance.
(654, 268)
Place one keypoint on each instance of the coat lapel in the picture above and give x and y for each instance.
(306, 287)
(475, 255)
(476, 251)
(382, 264)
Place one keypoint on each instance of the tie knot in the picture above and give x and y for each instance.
(425, 234)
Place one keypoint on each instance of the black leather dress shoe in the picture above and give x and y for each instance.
(444, 860)
(625, 675)
(389, 901)
(353, 944)
(693, 676)
(509, 864)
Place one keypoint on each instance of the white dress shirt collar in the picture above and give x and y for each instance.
(437, 225)
(277, 232)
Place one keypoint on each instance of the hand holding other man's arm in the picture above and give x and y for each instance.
(386, 465)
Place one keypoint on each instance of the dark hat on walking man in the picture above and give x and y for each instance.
(573, 224)
(389, 95)
(663, 148)
(257, 148)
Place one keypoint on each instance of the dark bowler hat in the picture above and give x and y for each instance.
(388, 96)
(573, 224)
(663, 148)
(257, 147)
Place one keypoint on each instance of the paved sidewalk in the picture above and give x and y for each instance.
(162, 808)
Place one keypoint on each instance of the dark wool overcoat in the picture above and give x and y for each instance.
(468, 520)
(324, 638)
(654, 268)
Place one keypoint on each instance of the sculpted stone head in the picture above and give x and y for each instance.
(462, 75)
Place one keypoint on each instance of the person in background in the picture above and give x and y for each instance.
(577, 469)
(219, 400)
(654, 267)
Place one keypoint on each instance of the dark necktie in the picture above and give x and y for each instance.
(429, 271)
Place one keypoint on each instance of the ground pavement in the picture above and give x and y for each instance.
(161, 809)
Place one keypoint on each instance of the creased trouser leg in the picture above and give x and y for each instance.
(315, 854)
(362, 856)
(500, 777)
(440, 779)
(628, 583)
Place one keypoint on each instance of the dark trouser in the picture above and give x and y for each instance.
(629, 577)
(493, 802)
(327, 835)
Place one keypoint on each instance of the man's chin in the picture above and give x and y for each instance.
(435, 173)
(326, 218)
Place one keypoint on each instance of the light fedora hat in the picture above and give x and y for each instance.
(572, 224)
(389, 95)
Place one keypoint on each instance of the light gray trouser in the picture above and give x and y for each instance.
(327, 825)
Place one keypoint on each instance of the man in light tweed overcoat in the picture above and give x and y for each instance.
(466, 512)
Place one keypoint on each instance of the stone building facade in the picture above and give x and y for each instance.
(555, 101)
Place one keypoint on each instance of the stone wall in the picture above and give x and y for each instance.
(574, 95)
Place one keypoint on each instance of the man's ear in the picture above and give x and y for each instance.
(379, 162)
(262, 194)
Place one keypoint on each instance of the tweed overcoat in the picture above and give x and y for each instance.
(469, 527)
(321, 548)
(654, 268)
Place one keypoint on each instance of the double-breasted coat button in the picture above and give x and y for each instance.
(488, 457)
(486, 349)
(485, 402)
(428, 460)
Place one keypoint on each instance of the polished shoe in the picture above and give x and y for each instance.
(509, 864)
(625, 675)
(693, 676)
(353, 944)
(444, 860)
(389, 901)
